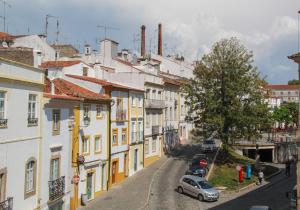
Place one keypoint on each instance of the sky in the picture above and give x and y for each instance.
(268, 28)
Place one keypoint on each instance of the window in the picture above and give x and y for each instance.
(32, 106)
(85, 71)
(140, 134)
(2, 105)
(30, 178)
(182, 111)
(140, 101)
(154, 119)
(115, 137)
(98, 144)
(159, 95)
(124, 135)
(85, 145)
(171, 114)
(55, 121)
(99, 111)
(148, 93)
(175, 113)
(148, 119)
(153, 94)
(54, 170)
(153, 145)
(133, 131)
(146, 146)
(132, 100)
(86, 114)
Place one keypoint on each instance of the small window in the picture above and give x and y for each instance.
(2, 105)
(140, 101)
(146, 146)
(115, 137)
(56, 121)
(54, 170)
(85, 71)
(133, 131)
(30, 178)
(132, 101)
(32, 109)
(148, 119)
(98, 144)
(85, 145)
(148, 94)
(86, 114)
(124, 136)
(99, 111)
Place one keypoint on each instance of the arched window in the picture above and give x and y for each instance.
(30, 177)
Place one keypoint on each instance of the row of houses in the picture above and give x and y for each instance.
(73, 125)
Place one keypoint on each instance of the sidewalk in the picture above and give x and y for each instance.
(135, 187)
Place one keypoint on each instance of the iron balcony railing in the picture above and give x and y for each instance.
(155, 129)
(56, 188)
(154, 104)
(121, 115)
(7, 204)
(3, 123)
(32, 121)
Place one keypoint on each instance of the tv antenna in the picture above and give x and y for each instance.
(136, 38)
(47, 22)
(106, 28)
(5, 4)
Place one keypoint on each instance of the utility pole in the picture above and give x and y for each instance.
(106, 28)
(5, 4)
(57, 31)
(47, 22)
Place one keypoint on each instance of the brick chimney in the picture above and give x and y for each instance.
(159, 50)
(143, 38)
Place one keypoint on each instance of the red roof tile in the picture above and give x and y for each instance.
(48, 95)
(59, 64)
(65, 89)
(282, 87)
(6, 36)
(103, 82)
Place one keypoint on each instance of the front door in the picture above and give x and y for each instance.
(114, 171)
(135, 159)
(126, 164)
(89, 184)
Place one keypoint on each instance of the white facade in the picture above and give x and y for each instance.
(19, 136)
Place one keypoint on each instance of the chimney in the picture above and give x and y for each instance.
(143, 29)
(159, 50)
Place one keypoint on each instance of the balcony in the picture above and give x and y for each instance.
(7, 204)
(3, 123)
(32, 121)
(121, 115)
(155, 130)
(154, 104)
(56, 188)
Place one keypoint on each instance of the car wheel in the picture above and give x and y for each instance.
(200, 197)
(180, 190)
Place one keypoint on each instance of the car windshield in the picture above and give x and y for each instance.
(204, 185)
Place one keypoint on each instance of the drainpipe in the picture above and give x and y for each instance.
(143, 131)
(109, 145)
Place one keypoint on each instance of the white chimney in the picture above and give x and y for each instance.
(37, 58)
(108, 48)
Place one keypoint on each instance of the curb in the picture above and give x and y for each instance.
(274, 174)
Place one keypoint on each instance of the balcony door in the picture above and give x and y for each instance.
(54, 171)
(89, 185)
(135, 159)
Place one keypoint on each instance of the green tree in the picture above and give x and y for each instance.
(287, 113)
(293, 82)
(226, 93)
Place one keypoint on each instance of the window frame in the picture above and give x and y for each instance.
(99, 151)
(146, 146)
(99, 115)
(56, 131)
(32, 192)
(58, 158)
(125, 140)
(86, 138)
(153, 147)
(115, 133)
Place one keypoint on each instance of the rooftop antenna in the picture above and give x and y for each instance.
(5, 4)
(106, 28)
(47, 22)
(136, 38)
(57, 31)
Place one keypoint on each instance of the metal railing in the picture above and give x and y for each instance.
(7, 204)
(56, 188)
(32, 121)
(3, 123)
(121, 115)
(154, 104)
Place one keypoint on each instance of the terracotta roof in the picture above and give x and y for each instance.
(172, 81)
(59, 64)
(102, 82)
(66, 88)
(282, 87)
(296, 55)
(6, 36)
(62, 97)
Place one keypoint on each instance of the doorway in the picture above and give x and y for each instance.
(114, 171)
(135, 159)
(126, 165)
(89, 185)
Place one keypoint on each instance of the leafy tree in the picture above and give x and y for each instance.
(226, 94)
(293, 82)
(287, 113)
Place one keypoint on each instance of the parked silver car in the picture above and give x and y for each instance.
(209, 146)
(198, 187)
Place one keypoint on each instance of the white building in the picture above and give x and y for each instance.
(21, 88)
(286, 93)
